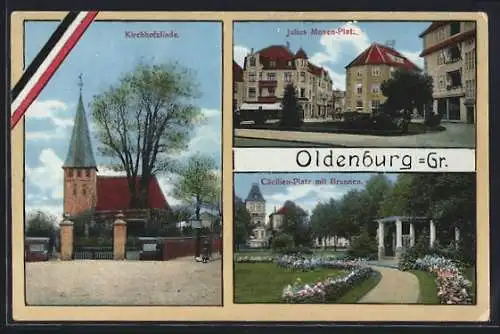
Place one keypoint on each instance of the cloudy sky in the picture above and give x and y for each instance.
(102, 56)
(333, 52)
(300, 187)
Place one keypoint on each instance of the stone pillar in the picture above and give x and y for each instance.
(381, 247)
(399, 238)
(66, 239)
(119, 237)
(457, 236)
(432, 238)
(412, 235)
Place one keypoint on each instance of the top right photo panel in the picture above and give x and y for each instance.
(404, 84)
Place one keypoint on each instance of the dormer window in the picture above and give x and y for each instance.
(272, 63)
(252, 61)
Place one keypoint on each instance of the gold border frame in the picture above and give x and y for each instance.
(248, 312)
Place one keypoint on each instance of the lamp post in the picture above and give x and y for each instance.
(196, 225)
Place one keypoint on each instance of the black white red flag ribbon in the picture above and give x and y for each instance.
(48, 60)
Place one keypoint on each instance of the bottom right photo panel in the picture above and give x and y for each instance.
(348, 238)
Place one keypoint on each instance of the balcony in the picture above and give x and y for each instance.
(267, 99)
(452, 55)
(268, 83)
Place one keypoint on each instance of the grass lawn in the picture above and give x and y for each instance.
(341, 127)
(428, 288)
(264, 282)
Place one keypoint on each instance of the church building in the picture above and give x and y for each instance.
(103, 196)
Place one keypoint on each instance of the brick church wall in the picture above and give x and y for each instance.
(79, 190)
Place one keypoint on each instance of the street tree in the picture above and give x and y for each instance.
(407, 90)
(242, 223)
(291, 111)
(144, 119)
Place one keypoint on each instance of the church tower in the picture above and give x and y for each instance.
(256, 205)
(80, 168)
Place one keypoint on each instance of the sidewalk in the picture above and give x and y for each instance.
(395, 287)
(455, 135)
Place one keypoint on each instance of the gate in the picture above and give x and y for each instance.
(93, 253)
(94, 241)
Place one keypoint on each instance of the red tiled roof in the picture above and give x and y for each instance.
(113, 194)
(455, 39)
(314, 69)
(378, 54)
(275, 52)
(434, 25)
(237, 72)
(301, 54)
(279, 212)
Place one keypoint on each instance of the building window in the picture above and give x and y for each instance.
(359, 104)
(271, 76)
(359, 74)
(302, 92)
(272, 63)
(375, 88)
(375, 71)
(79, 173)
(441, 82)
(270, 91)
(235, 88)
(251, 76)
(288, 76)
(375, 105)
(302, 76)
(252, 61)
(70, 173)
(251, 92)
(454, 28)
(454, 79)
(289, 63)
(87, 173)
(74, 190)
(359, 89)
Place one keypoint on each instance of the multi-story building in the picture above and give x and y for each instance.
(449, 52)
(238, 86)
(365, 74)
(338, 100)
(256, 206)
(267, 72)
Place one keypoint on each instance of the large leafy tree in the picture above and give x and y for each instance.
(325, 221)
(291, 111)
(242, 223)
(40, 224)
(295, 223)
(143, 119)
(407, 90)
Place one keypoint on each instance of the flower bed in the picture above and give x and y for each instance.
(322, 291)
(453, 287)
(253, 259)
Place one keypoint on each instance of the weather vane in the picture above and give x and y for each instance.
(80, 82)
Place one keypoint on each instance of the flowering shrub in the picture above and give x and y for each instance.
(307, 264)
(323, 291)
(253, 259)
(453, 287)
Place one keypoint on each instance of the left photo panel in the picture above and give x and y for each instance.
(123, 165)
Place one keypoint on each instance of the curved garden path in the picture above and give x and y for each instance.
(395, 287)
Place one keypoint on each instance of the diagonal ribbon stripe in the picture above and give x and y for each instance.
(37, 75)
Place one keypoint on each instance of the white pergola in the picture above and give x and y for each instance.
(399, 221)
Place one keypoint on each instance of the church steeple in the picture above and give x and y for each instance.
(80, 153)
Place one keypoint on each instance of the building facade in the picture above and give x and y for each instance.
(267, 72)
(366, 73)
(256, 206)
(338, 100)
(449, 52)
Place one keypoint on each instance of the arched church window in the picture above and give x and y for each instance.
(87, 173)
(79, 173)
(70, 173)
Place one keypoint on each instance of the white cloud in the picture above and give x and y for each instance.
(106, 171)
(207, 134)
(239, 54)
(48, 175)
(414, 57)
(53, 210)
(335, 46)
(167, 186)
(49, 110)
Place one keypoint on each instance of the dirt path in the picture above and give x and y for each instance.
(81, 282)
(395, 287)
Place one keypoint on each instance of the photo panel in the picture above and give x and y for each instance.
(355, 238)
(355, 83)
(122, 164)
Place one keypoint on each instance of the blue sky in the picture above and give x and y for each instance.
(102, 55)
(333, 52)
(304, 192)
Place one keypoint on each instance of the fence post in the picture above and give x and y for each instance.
(119, 237)
(66, 238)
